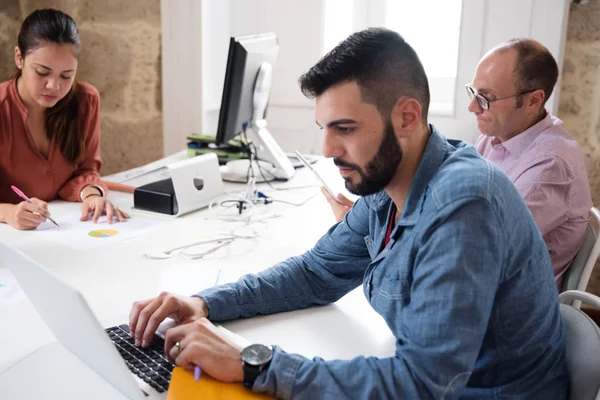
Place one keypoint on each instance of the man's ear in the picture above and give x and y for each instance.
(537, 98)
(406, 115)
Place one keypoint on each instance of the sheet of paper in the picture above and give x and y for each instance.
(190, 278)
(10, 291)
(149, 177)
(131, 174)
(84, 235)
(229, 275)
(156, 169)
(186, 278)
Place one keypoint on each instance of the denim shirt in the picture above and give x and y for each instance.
(465, 284)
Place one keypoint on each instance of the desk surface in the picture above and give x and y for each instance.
(112, 277)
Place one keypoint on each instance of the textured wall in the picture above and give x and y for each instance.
(580, 94)
(121, 57)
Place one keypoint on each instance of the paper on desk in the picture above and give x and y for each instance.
(151, 172)
(124, 176)
(193, 277)
(186, 278)
(149, 177)
(10, 291)
(229, 275)
(121, 177)
(84, 235)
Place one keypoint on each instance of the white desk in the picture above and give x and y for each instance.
(112, 277)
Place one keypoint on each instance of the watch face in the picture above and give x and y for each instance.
(257, 354)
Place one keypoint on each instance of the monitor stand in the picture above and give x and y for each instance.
(267, 149)
(274, 163)
(237, 171)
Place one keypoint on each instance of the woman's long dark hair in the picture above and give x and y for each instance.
(62, 121)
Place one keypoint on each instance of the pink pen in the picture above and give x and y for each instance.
(27, 199)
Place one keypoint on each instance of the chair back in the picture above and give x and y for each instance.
(579, 272)
(582, 347)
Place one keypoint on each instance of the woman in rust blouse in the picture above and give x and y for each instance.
(50, 127)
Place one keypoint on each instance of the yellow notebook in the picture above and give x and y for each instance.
(183, 387)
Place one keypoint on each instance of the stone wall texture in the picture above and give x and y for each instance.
(580, 95)
(121, 57)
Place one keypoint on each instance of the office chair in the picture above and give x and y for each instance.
(579, 272)
(582, 346)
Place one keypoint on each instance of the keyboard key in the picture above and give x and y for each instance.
(149, 364)
(161, 381)
(153, 366)
(150, 373)
(158, 345)
(166, 375)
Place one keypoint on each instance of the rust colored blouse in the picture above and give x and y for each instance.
(23, 165)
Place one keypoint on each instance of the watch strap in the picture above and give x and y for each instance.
(251, 372)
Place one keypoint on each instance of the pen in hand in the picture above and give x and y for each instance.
(197, 373)
(27, 199)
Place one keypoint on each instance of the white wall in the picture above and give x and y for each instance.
(290, 115)
(193, 76)
(182, 65)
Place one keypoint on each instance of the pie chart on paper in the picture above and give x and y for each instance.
(102, 233)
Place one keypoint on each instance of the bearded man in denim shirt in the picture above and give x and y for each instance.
(441, 241)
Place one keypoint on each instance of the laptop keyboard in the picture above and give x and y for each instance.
(149, 364)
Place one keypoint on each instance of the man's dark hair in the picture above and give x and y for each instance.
(380, 61)
(535, 67)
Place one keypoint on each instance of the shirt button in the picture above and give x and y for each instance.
(369, 242)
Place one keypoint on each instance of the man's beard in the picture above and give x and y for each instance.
(380, 169)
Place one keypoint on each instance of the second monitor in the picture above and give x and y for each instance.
(244, 103)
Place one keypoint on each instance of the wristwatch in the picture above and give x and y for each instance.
(255, 359)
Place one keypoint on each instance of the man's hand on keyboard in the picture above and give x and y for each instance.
(201, 344)
(146, 315)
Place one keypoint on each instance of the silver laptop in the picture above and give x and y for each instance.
(102, 362)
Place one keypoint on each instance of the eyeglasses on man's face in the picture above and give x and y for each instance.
(484, 102)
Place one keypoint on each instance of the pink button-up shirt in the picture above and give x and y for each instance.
(548, 170)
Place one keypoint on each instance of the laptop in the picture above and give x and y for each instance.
(103, 363)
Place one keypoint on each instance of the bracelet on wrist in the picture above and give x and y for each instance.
(92, 194)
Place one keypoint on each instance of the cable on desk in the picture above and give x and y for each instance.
(253, 155)
(295, 204)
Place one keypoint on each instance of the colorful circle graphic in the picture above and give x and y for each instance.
(102, 233)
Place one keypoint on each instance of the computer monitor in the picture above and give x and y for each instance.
(244, 103)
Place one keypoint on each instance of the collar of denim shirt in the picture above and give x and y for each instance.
(433, 157)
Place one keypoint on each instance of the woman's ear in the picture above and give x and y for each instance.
(18, 58)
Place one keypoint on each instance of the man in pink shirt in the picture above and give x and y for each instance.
(512, 83)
